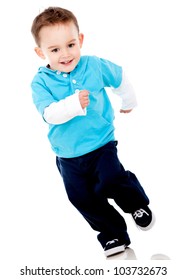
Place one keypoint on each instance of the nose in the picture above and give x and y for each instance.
(64, 53)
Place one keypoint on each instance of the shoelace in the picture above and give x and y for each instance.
(139, 213)
(112, 241)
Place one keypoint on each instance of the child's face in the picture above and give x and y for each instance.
(60, 44)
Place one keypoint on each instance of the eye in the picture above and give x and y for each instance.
(55, 50)
(71, 45)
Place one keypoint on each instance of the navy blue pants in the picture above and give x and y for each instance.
(93, 178)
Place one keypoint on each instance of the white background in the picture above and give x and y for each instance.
(38, 224)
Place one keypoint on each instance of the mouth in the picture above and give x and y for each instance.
(67, 62)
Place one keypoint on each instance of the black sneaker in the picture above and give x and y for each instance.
(114, 247)
(144, 218)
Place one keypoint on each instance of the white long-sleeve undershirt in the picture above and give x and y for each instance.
(126, 92)
(64, 110)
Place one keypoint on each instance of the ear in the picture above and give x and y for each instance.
(81, 38)
(39, 52)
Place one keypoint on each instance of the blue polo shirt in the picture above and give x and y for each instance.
(82, 134)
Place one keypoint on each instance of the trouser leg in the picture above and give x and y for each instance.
(97, 211)
(117, 183)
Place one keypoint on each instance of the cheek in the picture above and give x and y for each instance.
(77, 52)
(51, 57)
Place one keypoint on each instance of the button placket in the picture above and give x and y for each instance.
(75, 85)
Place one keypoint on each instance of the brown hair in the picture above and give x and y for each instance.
(51, 16)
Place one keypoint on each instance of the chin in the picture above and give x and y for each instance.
(68, 70)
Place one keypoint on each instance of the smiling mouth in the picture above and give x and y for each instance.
(66, 62)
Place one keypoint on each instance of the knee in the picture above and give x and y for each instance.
(79, 200)
(106, 184)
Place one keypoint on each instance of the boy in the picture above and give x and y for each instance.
(71, 97)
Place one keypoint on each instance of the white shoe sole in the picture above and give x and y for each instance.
(115, 250)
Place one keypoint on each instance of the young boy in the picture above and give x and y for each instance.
(71, 97)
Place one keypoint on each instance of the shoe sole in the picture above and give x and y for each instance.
(115, 250)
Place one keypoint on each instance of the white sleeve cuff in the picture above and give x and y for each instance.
(127, 94)
(64, 110)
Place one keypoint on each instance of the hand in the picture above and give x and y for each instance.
(125, 111)
(83, 98)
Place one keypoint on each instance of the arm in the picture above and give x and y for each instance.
(66, 109)
(127, 94)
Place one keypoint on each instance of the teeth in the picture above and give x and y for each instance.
(66, 62)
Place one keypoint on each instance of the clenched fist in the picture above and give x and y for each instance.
(83, 98)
